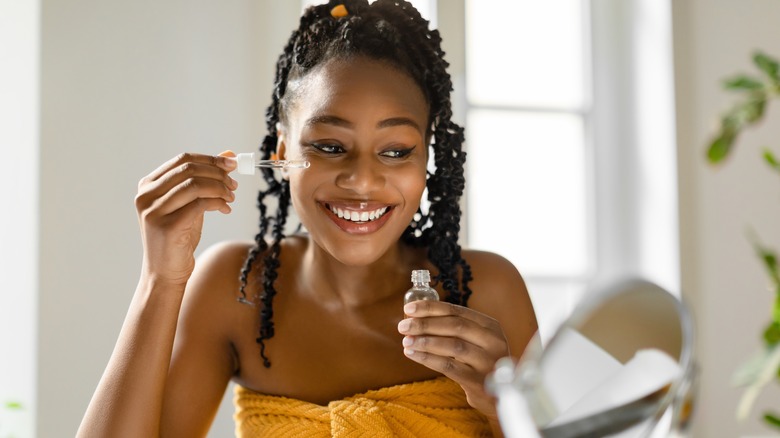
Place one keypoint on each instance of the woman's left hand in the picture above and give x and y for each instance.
(458, 342)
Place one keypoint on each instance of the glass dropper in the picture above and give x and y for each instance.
(248, 163)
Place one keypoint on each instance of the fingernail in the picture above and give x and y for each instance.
(410, 308)
(408, 351)
(408, 341)
(404, 325)
(229, 162)
(233, 183)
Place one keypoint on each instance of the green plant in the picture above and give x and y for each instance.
(756, 92)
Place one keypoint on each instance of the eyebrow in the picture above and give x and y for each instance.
(338, 121)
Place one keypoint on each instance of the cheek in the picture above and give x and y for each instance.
(303, 184)
(411, 185)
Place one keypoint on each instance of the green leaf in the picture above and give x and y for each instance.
(753, 109)
(776, 308)
(743, 83)
(720, 147)
(772, 419)
(732, 123)
(770, 263)
(745, 113)
(772, 333)
(770, 158)
(768, 65)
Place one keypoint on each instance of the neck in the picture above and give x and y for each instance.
(345, 286)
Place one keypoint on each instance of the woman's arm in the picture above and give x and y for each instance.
(204, 358)
(171, 202)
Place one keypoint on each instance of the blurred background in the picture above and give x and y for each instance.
(586, 125)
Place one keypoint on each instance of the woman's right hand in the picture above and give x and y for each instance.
(171, 202)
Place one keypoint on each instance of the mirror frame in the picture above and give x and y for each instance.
(524, 375)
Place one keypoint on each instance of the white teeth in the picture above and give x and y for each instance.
(359, 216)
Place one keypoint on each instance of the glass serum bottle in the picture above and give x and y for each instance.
(421, 290)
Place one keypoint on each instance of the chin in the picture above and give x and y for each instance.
(357, 254)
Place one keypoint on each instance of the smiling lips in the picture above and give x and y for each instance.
(358, 219)
(358, 216)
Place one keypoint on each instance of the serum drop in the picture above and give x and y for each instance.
(420, 289)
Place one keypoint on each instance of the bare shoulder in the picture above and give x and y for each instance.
(218, 257)
(493, 269)
(215, 283)
(499, 291)
(496, 281)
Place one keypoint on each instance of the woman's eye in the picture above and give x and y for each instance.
(328, 148)
(397, 153)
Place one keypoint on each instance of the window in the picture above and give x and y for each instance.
(529, 196)
(569, 112)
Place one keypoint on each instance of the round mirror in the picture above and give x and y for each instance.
(621, 365)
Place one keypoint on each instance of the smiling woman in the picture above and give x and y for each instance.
(313, 321)
(363, 134)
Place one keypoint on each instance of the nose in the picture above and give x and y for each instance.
(361, 174)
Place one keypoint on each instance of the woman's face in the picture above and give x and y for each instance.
(362, 125)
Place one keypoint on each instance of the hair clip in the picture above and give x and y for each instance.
(339, 11)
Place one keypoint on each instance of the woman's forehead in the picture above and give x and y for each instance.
(357, 88)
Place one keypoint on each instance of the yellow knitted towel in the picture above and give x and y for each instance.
(431, 408)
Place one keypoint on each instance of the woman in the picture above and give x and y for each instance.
(362, 93)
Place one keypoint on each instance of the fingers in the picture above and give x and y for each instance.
(436, 347)
(446, 319)
(427, 308)
(196, 209)
(203, 177)
(175, 176)
(447, 338)
(202, 190)
(221, 160)
(449, 366)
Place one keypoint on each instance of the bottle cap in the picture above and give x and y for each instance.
(246, 163)
(421, 276)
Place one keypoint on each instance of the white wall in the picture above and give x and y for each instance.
(125, 86)
(721, 276)
(19, 44)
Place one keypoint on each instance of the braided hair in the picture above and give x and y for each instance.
(391, 31)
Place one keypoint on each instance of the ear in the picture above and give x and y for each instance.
(281, 148)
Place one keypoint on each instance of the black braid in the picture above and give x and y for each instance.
(392, 31)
